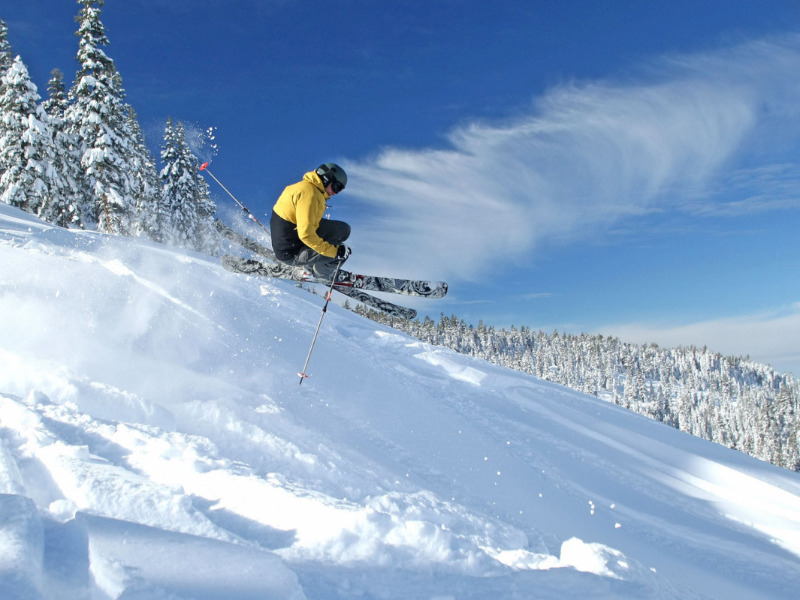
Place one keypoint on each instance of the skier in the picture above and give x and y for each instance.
(300, 236)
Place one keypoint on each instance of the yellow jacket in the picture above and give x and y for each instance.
(303, 204)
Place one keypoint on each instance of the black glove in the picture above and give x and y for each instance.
(343, 253)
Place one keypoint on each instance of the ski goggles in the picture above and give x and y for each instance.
(336, 185)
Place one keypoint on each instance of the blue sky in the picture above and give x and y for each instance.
(624, 168)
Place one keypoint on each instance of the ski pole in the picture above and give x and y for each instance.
(302, 374)
(204, 167)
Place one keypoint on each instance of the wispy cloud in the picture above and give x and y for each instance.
(536, 296)
(681, 134)
(756, 189)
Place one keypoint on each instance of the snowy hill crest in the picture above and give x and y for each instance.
(154, 444)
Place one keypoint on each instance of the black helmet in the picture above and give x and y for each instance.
(333, 174)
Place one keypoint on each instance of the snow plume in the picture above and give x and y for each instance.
(675, 137)
(154, 444)
(202, 142)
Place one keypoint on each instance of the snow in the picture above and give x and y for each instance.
(155, 444)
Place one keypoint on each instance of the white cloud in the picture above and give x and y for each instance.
(584, 158)
(771, 338)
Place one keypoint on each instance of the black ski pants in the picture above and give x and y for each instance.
(333, 232)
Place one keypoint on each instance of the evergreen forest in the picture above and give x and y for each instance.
(79, 159)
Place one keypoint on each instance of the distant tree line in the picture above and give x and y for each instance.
(728, 400)
(78, 159)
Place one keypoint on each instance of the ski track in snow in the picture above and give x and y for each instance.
(154, 443)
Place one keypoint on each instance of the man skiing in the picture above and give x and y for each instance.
(300, 236)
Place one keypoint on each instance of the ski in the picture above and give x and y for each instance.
(408, 287)
(344, 279)
(391, 309)
(246, 266)
(345, 285)
(245, 242)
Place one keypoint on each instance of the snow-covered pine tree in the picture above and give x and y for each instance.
(56, 103)
(66, 196)
(6, 58)
(791, 459)
(151, 212)
(186, 195)
(97, 119)
(177, 187)
(26, 146)
(207, 238)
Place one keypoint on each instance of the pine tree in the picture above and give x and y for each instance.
(791, 458)
(151, 213)
(186, 194)
(5, 49)
(634, 393)
(66, 196)
(5, 57)
(56, 103)
(97, 119)
(178, 187)
(26, 150)
(206, 236)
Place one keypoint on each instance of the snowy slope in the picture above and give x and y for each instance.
(154, 443)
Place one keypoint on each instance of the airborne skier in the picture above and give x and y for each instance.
(300, 236)
(310, 249)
